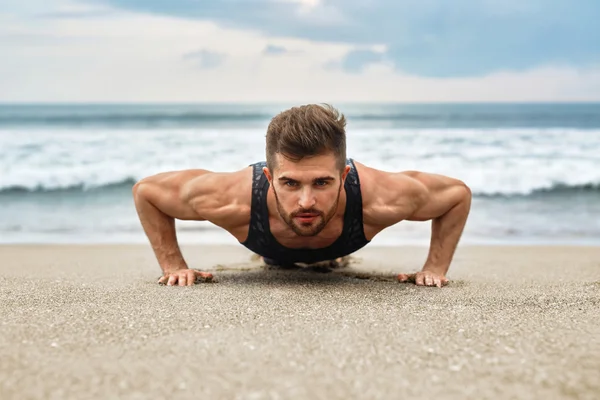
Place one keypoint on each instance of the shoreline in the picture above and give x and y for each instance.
(384, 247)
(224, 239)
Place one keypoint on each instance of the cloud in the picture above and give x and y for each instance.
(433, 38)
(56, 9)
(274, 50)
(76, 14)
(206, 59)
(127, 56)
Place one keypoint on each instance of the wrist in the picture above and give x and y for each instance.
(170, 268)
(172, 262)
(437, 269)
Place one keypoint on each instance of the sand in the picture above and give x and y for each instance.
(81, 322)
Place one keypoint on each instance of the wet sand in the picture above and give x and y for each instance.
(82, 322)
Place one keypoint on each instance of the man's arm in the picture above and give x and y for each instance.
(446, 202)
(164, 197)
(196, 194)
(418, 196)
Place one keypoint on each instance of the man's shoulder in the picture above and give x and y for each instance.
(218, 189)
(386, 195)
(381, 186)
(368, 176)
(234, 184)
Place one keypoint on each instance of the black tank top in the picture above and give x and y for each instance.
(262, 242)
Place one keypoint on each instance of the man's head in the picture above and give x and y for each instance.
(306, 165)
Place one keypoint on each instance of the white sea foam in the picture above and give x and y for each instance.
(505, 162)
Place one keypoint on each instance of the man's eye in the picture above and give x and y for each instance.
(290, 183)
(321, 183)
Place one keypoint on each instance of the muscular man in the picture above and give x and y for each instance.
(308, 202)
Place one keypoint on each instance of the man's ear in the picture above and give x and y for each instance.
(346, 172)
(268, 175)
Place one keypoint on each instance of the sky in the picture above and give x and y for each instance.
(299, 50)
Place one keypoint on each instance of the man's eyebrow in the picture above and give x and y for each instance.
(285, 178)
(321, 178)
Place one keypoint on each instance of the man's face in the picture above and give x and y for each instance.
(307, 192)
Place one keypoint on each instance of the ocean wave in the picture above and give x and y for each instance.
(493, 163)
(553, 189)
(582, 116)
(154, 118)
(185, 118)
(125, 183)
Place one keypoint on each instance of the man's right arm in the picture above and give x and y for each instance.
(162, 198)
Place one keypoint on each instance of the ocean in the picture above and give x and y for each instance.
(66, 171)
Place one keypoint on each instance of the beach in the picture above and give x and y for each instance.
(84, 316)
(90, 321)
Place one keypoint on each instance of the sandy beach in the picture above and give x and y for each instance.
(83, 322)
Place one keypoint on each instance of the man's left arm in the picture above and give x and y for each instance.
(446, 202)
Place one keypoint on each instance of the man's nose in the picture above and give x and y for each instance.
(307, 199)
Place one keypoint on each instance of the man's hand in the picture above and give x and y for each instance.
(424, 278)
(185, 277)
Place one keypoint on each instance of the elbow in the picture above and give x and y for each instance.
(466, 195)
(466, 190)
(139, 189)
(136, 188)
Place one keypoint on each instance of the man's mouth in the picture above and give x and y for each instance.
(306, 217)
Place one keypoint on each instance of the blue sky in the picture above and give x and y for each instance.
(304, 50)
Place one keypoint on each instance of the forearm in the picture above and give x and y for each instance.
(446, 231)
(160, 230)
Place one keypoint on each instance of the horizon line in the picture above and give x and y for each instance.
(277, 102)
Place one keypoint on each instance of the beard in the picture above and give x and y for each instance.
(312, 228)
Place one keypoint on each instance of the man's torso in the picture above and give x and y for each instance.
(246, 191)
(271, 238)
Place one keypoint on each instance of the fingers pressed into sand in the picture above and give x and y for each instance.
(429, 280)
(191, 278)
(162, 280)
(206, 276)
(407, 277)
(172, 280)
(182, 279)
(200, 276)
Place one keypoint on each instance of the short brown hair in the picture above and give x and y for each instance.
(306, 131)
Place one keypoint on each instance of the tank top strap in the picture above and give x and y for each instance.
(258, 233)
(353, 218)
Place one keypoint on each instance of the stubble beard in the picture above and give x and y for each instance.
(311, 228)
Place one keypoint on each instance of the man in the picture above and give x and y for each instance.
(306, 203)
